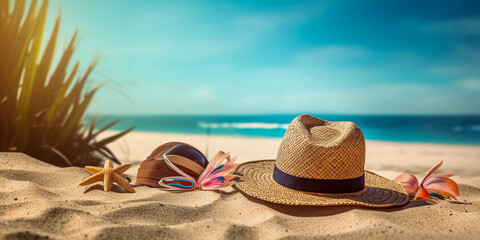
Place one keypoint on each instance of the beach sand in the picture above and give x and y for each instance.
(38, 200)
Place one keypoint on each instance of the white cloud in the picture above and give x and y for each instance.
(461, 62)
(333, 54)
(203, 94)
(457, 26)
(185, 38)
(472, 84)
(290, 16)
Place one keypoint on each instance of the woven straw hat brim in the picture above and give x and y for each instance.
(257, 181)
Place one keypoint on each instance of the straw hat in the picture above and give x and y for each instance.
(319, 163)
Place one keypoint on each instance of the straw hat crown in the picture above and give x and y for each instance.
(318, 149)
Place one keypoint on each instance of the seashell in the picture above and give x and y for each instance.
(408, 181)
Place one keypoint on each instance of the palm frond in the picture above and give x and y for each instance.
(43, 105)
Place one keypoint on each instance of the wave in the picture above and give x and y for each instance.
(474, 128)
(246, 125)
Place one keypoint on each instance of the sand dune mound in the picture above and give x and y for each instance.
(38, 200)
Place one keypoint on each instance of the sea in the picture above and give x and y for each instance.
(404, 128)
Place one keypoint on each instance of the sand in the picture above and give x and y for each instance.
(38, 200)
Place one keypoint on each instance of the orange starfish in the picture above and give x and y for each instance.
(108, 174)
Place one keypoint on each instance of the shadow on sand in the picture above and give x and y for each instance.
(115, 188)
(315, 211)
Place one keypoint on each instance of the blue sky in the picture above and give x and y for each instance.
(265, 57)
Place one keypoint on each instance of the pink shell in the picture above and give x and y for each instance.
(408, 181)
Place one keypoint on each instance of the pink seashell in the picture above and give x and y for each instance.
(408, 181)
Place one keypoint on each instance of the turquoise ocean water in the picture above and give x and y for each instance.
(426, 129)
